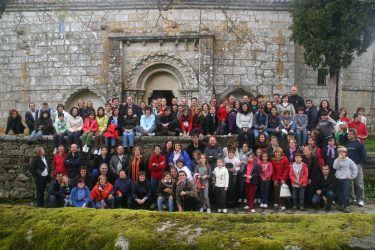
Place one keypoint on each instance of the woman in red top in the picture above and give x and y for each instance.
(186, 123)
(344, 116)
(58, 161)
(222, 117)
(280, 175)
(101, 194)
(266, 171)
(89, 129)
(251, 180)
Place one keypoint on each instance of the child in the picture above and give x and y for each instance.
(258, 155)
(80, 195)
(361, 114)
(330, 153)
(221, 180)
(65, 190)
(180, 167)
(222, 117)
(291, 150)
(164, 192)
(266, 171)
(280, 175)
(341, 135)
(61, 130)
(90, 127)
(298, 174)
(301, 121)
(195, 160)
(252, 180)
(204, 172)
(261, 142)
(233, 165)
(344, 116)
(244, 153)
(260, 122)
(286, 125)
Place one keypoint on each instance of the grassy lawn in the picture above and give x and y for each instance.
(370, 145)
(31, 228)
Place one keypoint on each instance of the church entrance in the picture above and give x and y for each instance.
(161, 85)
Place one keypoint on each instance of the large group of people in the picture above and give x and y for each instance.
(286, 152)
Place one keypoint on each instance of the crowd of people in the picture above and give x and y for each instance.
(286, 152)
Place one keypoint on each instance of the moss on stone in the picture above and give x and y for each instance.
(24, 227)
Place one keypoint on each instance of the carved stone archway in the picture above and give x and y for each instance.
(237, 92)
(158, 62)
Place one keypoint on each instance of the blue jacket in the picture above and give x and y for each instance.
(184, 156)
(313, 119)
(147, 122)
(80, 196)
(124, 186)
(356, 151)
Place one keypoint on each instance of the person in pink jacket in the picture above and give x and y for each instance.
(298, 174)
(266, 171)
(89, 129)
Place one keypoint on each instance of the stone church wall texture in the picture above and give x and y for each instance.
(57, 54)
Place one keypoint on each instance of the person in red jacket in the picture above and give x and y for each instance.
(186, 123)
(251, 181)
(266, 171)
(317, 151)
(89, 129)
(360, 127)
(101, 194)
(58, 161)
(298, 174)
(156, 165)
(280, 175)
(222, 117)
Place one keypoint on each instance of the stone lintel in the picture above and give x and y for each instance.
(175, 37)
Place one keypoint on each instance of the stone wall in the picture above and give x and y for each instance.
(15, 155)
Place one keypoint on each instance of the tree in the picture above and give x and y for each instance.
(333, 32)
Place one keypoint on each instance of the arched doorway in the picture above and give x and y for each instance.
(85, 95)
(159, 85)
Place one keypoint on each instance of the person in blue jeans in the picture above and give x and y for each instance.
(346, 172)
(164, 193)
(129, 124)
(300, 121)
(325, 189)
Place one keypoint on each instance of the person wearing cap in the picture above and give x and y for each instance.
(346, 171)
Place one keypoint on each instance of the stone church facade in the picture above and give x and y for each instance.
(61, 51)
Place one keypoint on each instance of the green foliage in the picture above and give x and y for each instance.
(24, 227)
(332, 31)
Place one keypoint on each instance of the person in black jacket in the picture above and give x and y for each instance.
(73, 161)
(141, 192)
(329, 153)
(43, 126)
(40, 169)
(312, 163)
(53, 191)
(325, 188)
(194, 145)
(296, 100)
(167, 123)
(210, 123)
(14, 123)
(312, 115)
(31, 116)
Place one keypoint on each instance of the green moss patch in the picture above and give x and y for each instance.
(24, 227)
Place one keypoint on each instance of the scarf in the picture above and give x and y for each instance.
(331, 151)
(135, 168)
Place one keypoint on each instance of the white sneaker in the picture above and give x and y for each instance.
(275, 205)
(225, 211)
(246, 207)
(255, 201)
(201, 210)
(361, 203)
(252, 211)
(219, 210)
(282, 209)
(55, 151)
(208, 210)
(239, 201)
(99, 151)
(151, 134)
(244, 200)
(261, 205)
(265, 206)
(84, 149)
(96, 152)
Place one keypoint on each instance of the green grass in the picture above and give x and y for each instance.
(24, 227)
(370, 145)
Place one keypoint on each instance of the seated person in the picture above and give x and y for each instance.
(122, 190)
(101, 194)
(167, 123)
(147, 123)
(260, 122)
(164, 192)
(65, 190)
(141, 192)
(54, 191)
(80, 195)
(14, 123)
(103, 170)
(326, 186)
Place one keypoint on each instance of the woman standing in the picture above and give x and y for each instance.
(244, 122)
(285, 105)
(136, 164)
(40, 169)
(280, 175)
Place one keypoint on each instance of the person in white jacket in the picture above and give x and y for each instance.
(221, 179)
(74, 125)
(244, 122)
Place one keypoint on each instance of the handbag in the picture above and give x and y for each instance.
(285, 191)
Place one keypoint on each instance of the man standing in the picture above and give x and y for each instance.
(40, 169)
(73, 161)
(357, 153)
(130, 104)
(312, 115)
(31, 116)
(295, 99)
